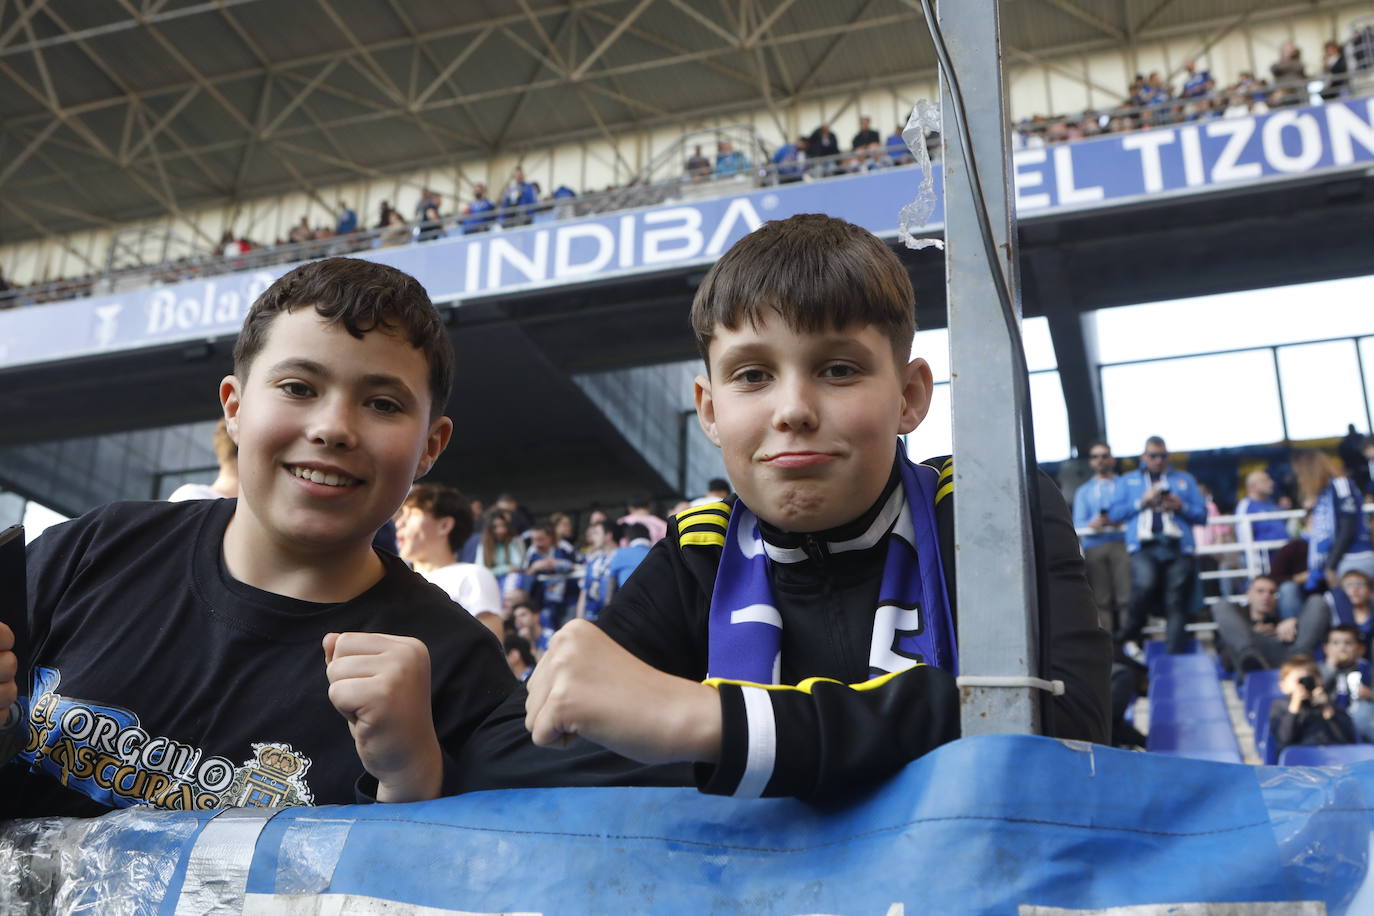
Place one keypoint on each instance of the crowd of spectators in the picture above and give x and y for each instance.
(1303, 607)
(1152, 100)
(525, 577)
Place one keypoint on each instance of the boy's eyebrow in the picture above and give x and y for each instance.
(311, 367)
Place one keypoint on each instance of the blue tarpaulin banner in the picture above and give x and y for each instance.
(993, 824)
(1107, 171)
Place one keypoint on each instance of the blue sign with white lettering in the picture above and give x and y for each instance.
(1111, 170)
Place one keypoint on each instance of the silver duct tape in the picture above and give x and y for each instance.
(217, 870)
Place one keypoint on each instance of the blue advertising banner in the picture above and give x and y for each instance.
(997, 824)
(1112, 170)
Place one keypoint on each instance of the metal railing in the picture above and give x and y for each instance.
(1255, 553)
(637, 193)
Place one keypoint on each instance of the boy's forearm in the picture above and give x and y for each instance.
(421, 781)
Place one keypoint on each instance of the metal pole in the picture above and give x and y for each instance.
(994, 558)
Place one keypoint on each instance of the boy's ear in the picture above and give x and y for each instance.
(917, 383)
(445, 525)
(230, 395)
(439, 433)
(706, 408)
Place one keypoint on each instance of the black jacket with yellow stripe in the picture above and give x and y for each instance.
(830, 729)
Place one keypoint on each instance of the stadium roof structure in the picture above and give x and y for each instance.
(113, 112)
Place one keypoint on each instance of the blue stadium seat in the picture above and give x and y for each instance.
(1303, 755)
(1155, 649)
(1185, 685)
(1259, 691)
(1173, 664)
(1211, 736)
(1179, 708)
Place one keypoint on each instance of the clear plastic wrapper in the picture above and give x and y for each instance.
(116, 865)
(924, 119)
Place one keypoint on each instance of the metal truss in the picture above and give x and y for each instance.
(601, 63)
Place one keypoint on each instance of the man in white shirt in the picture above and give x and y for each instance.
(431, 527)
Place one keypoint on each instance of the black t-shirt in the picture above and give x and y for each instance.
(158, 678)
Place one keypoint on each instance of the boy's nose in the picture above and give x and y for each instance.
(332, 427)
(795, 409)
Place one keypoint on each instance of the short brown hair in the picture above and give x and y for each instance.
(1299, 661)
(818, 273)
(439, 501)
(363, 297)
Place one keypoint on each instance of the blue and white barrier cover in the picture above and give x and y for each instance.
(993, 824)
(1107, 171)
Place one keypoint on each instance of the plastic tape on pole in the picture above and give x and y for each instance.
(218, 864)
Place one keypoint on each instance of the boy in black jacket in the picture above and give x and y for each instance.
(798, 638)
(1305, 714)
(176, 647)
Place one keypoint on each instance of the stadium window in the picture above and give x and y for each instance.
(1196, 402)
(1367, 365)
(1321, 389)
(1235, 321)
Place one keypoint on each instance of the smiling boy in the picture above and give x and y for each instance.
(177, 646)
(798, 638)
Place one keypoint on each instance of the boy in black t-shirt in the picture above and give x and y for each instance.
(799, 637)
(176, 647)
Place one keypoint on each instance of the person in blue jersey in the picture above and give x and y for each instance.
(1198, 83)
(799, 637)
(596, 575)
(1104, 549)
(1346, 675)
(1339, 529)
(1259, 499)
(479, 214)
(1159, 507)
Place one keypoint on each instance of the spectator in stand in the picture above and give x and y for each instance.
(1306, 716)
(530, 627)
(434, 521)
(1340, 535)
(520, 520)
(563, 197)
(1351, 452)
(480, 213)
(1289, 75)
(502, 552)
(1257, 638)
(547, 570)
(1288, 565)
(301, 232)
(519, 656)
(1364, 468)
(396, 232)
(1198, 83)
(563, 533)
(596, 575)
(867, 137)
(1259, 499)
(384, 215)
(348, 220)
(790, 159)
(5, 285)
(639, 511)
(226, 483)
(729, 161)
(822, 142)
(717, 491)
(627, 558)
(517, 199)
(1104, 550)
(896, 147)
(1350, 604)
(1346, 677)
(1335, 71)
(1159, 506)
(427, 216)
(230, 247)
(698, 166)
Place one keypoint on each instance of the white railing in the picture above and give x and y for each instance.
(1256, 553)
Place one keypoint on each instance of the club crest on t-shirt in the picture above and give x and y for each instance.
(104, 753)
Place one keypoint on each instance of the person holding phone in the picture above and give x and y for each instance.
(1104, 543)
